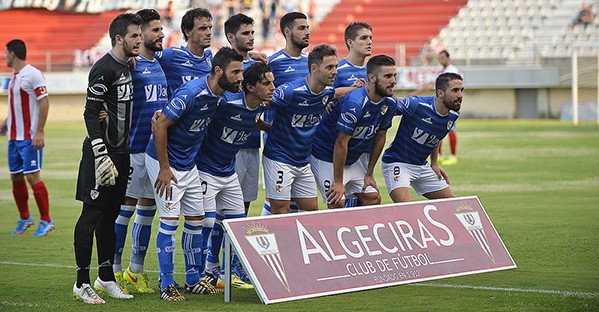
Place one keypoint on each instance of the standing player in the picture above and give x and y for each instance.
(425, 122)
(445, 61)
(170, 156)
(104, 165)
(289, 64)
(352, 69)
(233, 124)
(149, 95)
(350, 139)
(239, 30)
(27, 112)
(192, 61)
(299, 106)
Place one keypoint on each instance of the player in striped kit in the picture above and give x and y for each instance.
(235, 119)
(149, 95)
(350, 139)
(299, 106)
(170, 156)
(28, 106)
(425, 122)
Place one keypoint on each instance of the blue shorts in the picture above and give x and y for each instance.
(22, 157)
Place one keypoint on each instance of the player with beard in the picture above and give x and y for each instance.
(299, 106)
(350, 139)
(171, 165)
(103, 169)
(425, 122)
(149, 95)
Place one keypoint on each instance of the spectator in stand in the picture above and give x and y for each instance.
(584, 17)
(426, 54)
(168, 14)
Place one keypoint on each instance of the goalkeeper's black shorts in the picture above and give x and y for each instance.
(101, 196)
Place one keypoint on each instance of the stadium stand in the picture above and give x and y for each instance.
(53, 36)
(393, 21)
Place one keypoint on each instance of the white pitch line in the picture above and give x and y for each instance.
(565, 293)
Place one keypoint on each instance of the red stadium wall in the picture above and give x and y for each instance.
(52, 36)
(393, 21)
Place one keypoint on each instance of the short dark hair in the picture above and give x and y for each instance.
(375, 62)
(254, 74)
(147, 15)
(351, 31)
(444, 79)
(188, 19)
(234, 22)
(17, 46)
(445, 52)
(119, 25)
(288, 19)
(223, 57)
(319, 52)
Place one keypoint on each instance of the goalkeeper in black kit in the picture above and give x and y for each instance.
(104, 166)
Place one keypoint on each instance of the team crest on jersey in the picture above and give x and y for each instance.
(384, 109)
(449, 124)
(258, 116)
(94, 194)
(325, 99)
(209, 62)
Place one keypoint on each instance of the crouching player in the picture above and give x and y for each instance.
(235, 119)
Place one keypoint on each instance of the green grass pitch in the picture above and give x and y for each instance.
(538, 181)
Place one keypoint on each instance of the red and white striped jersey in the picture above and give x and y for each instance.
(26, 88)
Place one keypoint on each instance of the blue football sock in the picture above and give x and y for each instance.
(192, 242)
(165, 245)
(209, 218)
(140, 237)
(120, 228)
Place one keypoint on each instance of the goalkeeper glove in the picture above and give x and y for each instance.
(106, 172)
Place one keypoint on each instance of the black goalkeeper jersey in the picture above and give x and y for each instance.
(110, 89)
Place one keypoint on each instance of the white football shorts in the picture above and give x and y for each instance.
(186, 195)
(222, 194)
(139, 185)
(247, 167)
(284, 182)
(421, 177)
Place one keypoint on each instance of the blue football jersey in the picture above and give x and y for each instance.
(420, 131)
(254, 140)
(356, 115)
(231, 127)
(192, 108)
(286, 68)
(181, 66)
(298, 113)
(348, 73)
(149, 95)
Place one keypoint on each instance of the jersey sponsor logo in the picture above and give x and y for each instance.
(155, 92)
(428, 120)
(124, 93)
(101, 78)
(205, 107)
(98, 89)
(352, 77)
(236, 117)
(187, 64)
(146, 71)
(367, 114)
(233, 136)
(123, 78)
(424, 138)
(289, 69)
(304, 121)
(199, 124)
(365, 132)
(304, 103)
